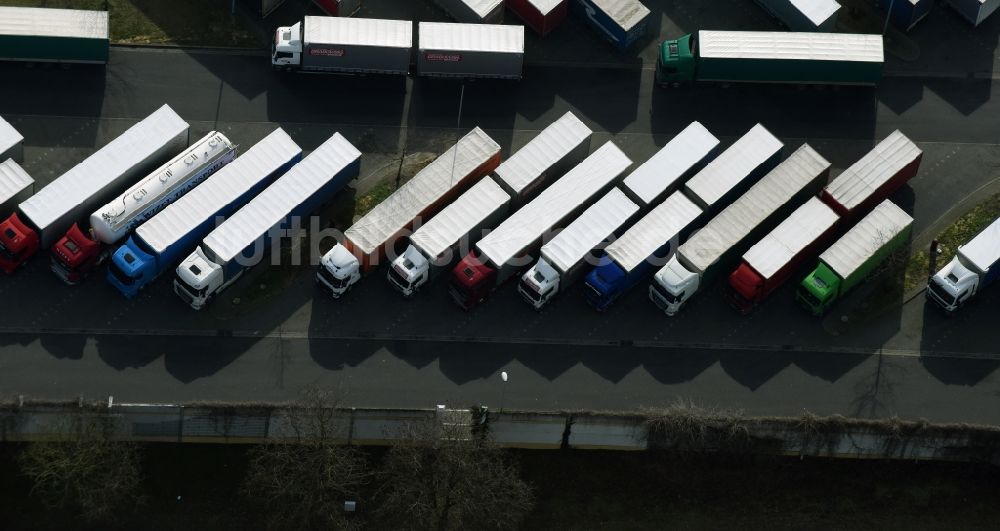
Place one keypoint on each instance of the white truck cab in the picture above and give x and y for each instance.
(339, 270)
(409, 271)
(672, 285)
(197, 279)
(953, 285)
(286, 54)
(539, 284)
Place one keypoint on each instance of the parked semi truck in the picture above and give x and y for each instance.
(904, 14)
(167, 237)
(470, 50)
(11, 142)
(542, 16)
(975, 266)
(564, 258)
(36, 34)
(344, 45)
(450, 235)
(855, 256)
(378, 233)
(867, 182)
(473, 11)
(734, 229)
(508, 249)
(804, 15)
(86, 246)
(975, 11)
(44, 217)
(15, 186)
(771, 57)
(241, 241)
(621, 22)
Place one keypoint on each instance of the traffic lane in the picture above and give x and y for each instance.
(460, 374)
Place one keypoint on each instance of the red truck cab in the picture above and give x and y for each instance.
(746, 288)
(18, 242)
(76, 255)
(471, 281)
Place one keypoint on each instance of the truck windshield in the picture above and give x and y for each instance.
(810, 298)
(667, 296)
(396, 276)
(593, 292)
(529, 291)
(941, 294)
(120, 275)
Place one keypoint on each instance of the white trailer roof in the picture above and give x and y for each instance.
(733, 165)
(273, 205)
(655, 229)
(983, 250)
(625, 13)
(556, 202)
(537, 156)
(805, 46)
(53, 22)
(766, 197)
(545, 6)
(482, 8)
(800, 229)
(671, 162)
(817, 11)
(864, 239)
(586, 232)
(9, 137)
(471, 37)
(13, 180)
(423, 190)
(359, 31)
(104, 167)
(457, 219)
(858, 182)
(222, 188)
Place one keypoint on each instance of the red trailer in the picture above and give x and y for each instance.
(869, 181)
(540, 15)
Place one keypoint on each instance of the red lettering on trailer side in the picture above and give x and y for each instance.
(447, 57)
(328, 52)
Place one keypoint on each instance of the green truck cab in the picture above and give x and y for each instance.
(819, 289)
(676, 63)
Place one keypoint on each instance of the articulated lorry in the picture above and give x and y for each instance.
(542, 16)
(241, 241)
(44, 217)
(508, 249)
(620, 22)
(563, 258)
(35, 34)
(15, 186)
(867, 182)
(975, 266)
(771, 57)
(82, 250)
(804, 15)
(11, 142)
(473, 11)
(344, 45)
(378, 233)
(728, 234)
(167, 237)
(855, 256)
(470, 50)
(450, 235)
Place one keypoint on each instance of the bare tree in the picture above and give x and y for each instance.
(84, 469)
(442, 477)
(302, 478)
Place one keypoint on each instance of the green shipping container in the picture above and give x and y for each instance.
(53, 35)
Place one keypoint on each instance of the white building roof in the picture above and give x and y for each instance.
(588, 231)
(733, 165)
(864, 177)
(222, 188)
(545, 6)
(671, 162)
(625, 13)
(273, 205)
(556, 202)
(800, 229)
(817, 11)
(763, 199)
(9, 137)
(806, 46)
(13, 180)
(864, 239)
(359, 31)
(423, 190)
(53, 22)
(470, 37)
(457, 219)
(983, 250)
(660, 225)
(105, 167)
(530, 162)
